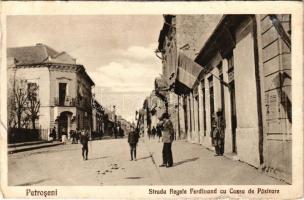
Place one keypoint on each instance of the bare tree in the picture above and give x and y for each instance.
(19, 104)
(24, 104)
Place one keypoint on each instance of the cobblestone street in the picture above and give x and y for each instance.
(109, 164)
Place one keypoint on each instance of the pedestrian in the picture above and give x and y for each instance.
(153, 131)
(213, 133)
(84, 139)
(78, 133)
(218, 133)
(115, 132)
(168, 136)
(221, 132)
(121, 132)
(53, 134)
(149, 133)
(63, 135)
(158, 131)
(133, 140)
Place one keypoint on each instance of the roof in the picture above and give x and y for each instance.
(221, 40)
(40, 53)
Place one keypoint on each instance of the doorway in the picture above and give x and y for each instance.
(62, 124)
(233, 115)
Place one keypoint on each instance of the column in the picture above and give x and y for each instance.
(217, 90)
(195, 110)
(228, 131)
(201, 113)
(188, 118)
(192, 117)
(207, 140)
(181, 117)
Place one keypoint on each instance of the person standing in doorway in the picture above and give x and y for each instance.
(220, 131)
(168, 136)
(214, 134)
(133, 140)
(84, 139)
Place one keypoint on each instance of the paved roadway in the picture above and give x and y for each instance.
(109, 164)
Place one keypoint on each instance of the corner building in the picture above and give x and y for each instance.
(64, 86)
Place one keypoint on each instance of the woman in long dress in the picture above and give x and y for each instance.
(63, 136)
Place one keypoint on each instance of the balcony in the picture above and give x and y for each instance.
(68, 101)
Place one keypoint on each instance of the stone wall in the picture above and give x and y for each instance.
(277, 90)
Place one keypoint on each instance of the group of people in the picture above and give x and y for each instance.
(78, 136)
(165, 130)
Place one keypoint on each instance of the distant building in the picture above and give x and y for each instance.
(64, 86)
(98, 119)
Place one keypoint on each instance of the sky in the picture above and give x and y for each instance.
(116, 50)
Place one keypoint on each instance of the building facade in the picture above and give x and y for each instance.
(239, 64)
(64, 86)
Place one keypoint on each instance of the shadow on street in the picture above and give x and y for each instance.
(185, 161)
(33, 182)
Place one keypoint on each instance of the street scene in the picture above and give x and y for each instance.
(149, 100)
(113, 167)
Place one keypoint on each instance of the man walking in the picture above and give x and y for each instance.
(84, 139)
(168, 136)
(133, 140)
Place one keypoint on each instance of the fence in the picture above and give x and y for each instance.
(26, 135)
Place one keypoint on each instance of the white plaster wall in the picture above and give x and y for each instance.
(228, 131)
(70, 77)
(201, 114)
(217, 90)
(246, 98)
(207, 138)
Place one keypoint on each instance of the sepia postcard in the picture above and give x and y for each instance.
(152, 100)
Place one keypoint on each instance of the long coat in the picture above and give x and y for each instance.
(168, 131)
(133, 137)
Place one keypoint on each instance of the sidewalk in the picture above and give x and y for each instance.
(27, 146)
(195, 165)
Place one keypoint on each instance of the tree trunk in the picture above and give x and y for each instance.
(19, 120)
(33, 123)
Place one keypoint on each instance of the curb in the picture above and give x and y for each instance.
(27, 144)
(32, 148)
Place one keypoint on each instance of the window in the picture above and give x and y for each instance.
(62, 93)
(32, 89)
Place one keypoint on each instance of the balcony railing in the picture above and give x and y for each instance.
(71, 102)
(67, 101)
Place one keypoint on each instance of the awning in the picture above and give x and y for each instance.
(187, 71)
